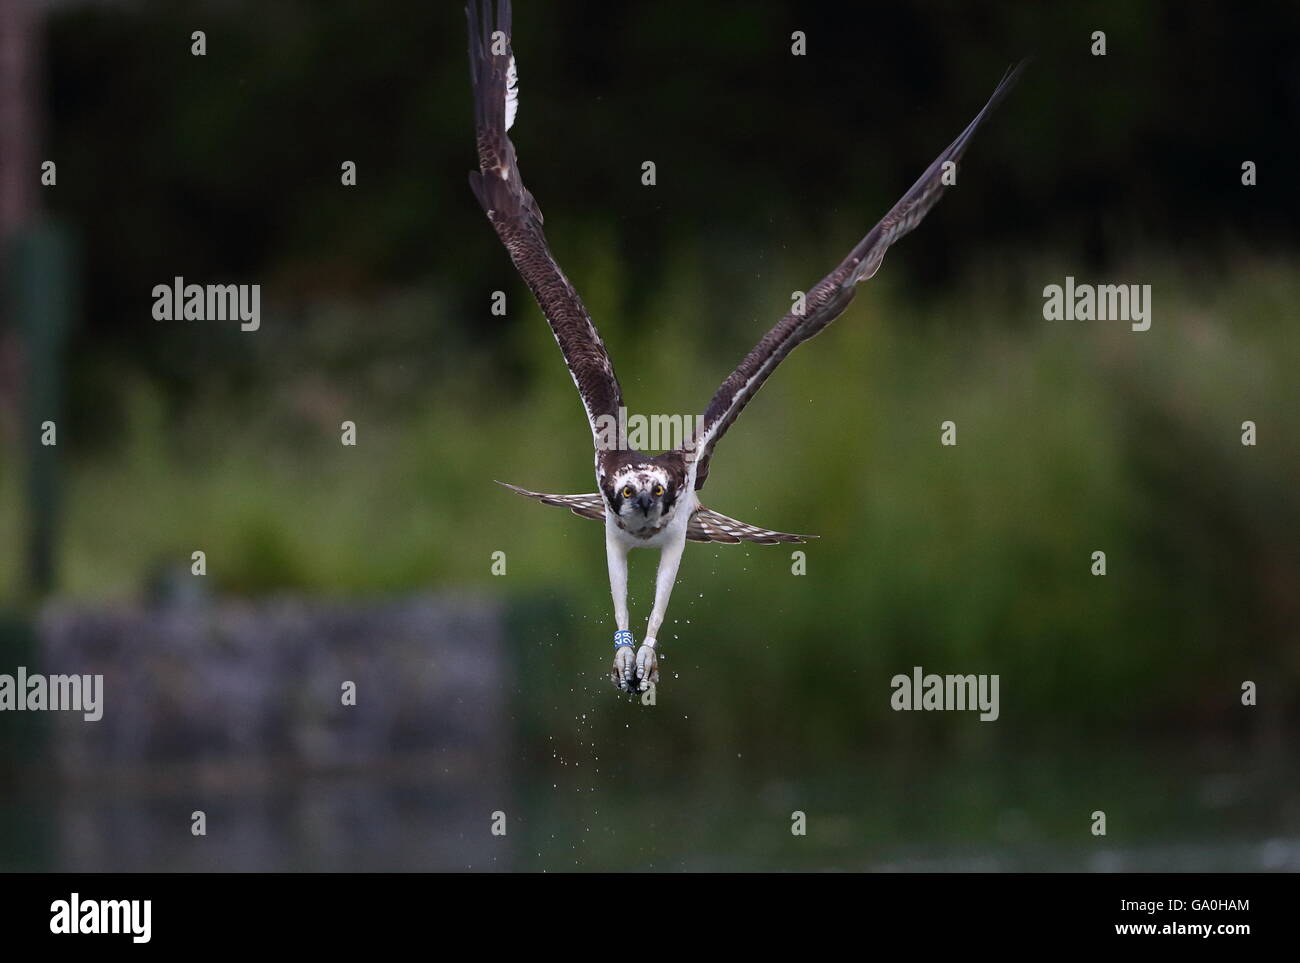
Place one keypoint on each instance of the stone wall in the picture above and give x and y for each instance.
(234, 709)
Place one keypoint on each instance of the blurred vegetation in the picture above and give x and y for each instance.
(1073, 436)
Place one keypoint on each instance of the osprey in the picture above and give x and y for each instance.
(651, 501)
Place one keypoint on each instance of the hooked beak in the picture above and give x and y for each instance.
(643, 502)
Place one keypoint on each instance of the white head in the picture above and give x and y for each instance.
(642, 496)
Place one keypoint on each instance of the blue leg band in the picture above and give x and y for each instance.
(623, 637)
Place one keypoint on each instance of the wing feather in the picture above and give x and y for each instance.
(707, 525)
(828, 299)
(518, 221)
(587, 506)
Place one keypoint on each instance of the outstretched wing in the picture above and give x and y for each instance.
(825, 302)
(704, 526)
(517, 219)
(710, 526)
(588, 506)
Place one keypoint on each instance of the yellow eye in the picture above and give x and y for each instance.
(627, 491)
(659, 490)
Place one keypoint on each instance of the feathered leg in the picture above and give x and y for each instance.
(616, 557)
(647, 663)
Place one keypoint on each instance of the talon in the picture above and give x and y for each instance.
(621, 672)
(647, 667)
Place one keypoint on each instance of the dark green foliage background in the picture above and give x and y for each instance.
(1073, 437)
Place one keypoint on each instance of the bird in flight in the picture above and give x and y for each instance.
(651, 501)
